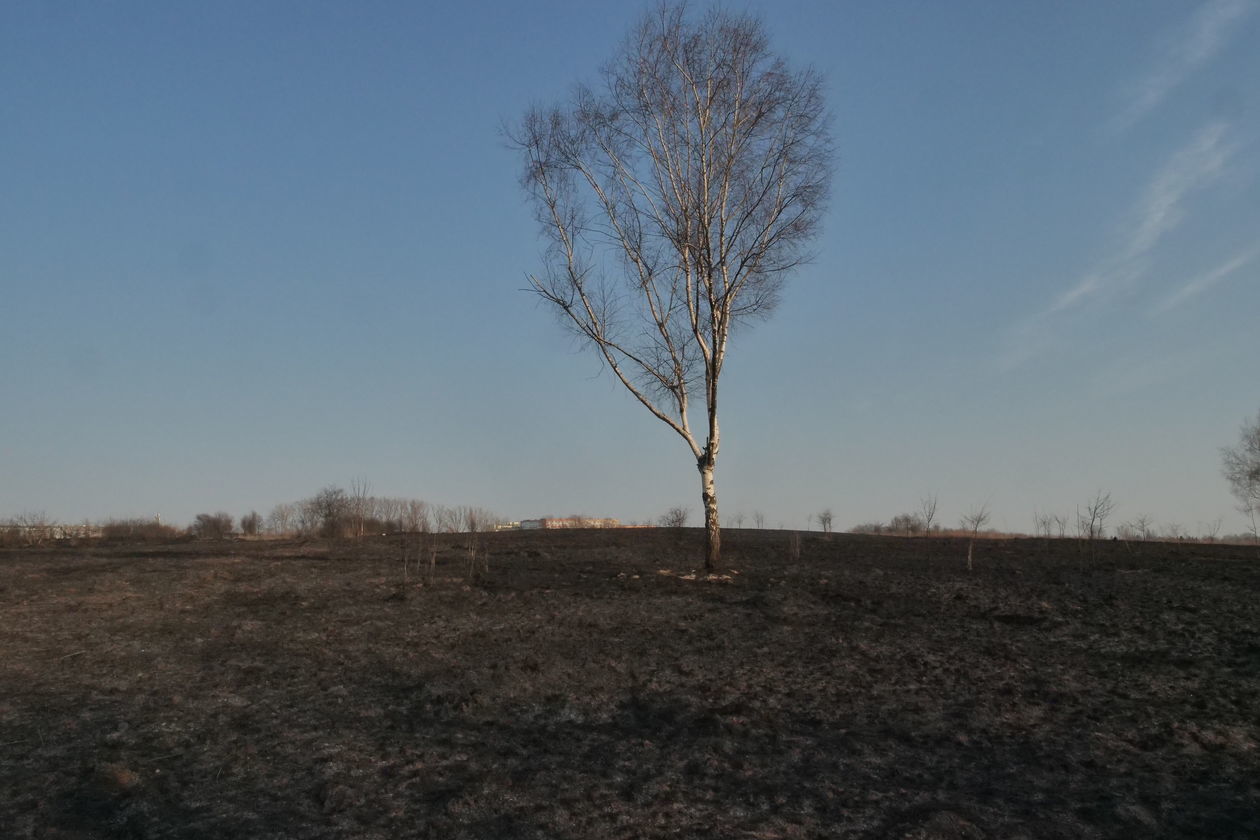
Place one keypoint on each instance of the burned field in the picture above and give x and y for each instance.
(871, 688)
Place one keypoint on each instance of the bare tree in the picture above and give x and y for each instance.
(360, 495)
(1241, 466)
(331, 511)
(475, 519)
(677, 198)
(973, 522)
(307, 520)
(759, 519)
(1091, 521)
(927, 512)
(675, 517)
(250, 523)
(737, 521)
(446, 519)
(1042, 523)
(416, 516)
(825, 520)
(1142, 526)
(1060, 524)
(388, 512)
(281, 519)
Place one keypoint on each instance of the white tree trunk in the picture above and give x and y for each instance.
(712, 528)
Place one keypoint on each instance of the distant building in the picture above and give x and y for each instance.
(556, 523)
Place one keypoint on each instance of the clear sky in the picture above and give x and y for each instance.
(248, 250)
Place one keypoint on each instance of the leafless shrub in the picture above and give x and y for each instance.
(212, 526)
(32, 528)
(907, 524)
(139, 530)
(873, 528)
(675, 517)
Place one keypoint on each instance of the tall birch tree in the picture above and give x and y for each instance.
(676, 196)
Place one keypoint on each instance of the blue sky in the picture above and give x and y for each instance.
(248, 250)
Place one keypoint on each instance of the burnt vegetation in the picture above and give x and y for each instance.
(584, 684)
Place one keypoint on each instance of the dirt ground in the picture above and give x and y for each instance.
(584, 687)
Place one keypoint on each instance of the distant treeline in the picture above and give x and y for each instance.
(333, 512)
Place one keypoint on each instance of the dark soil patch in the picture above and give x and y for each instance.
(587, 686)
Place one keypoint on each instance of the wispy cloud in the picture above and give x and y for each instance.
(1196, 43)
(1203, 282)
(1159, 211)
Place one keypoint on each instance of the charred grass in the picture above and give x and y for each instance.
(585, 687)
